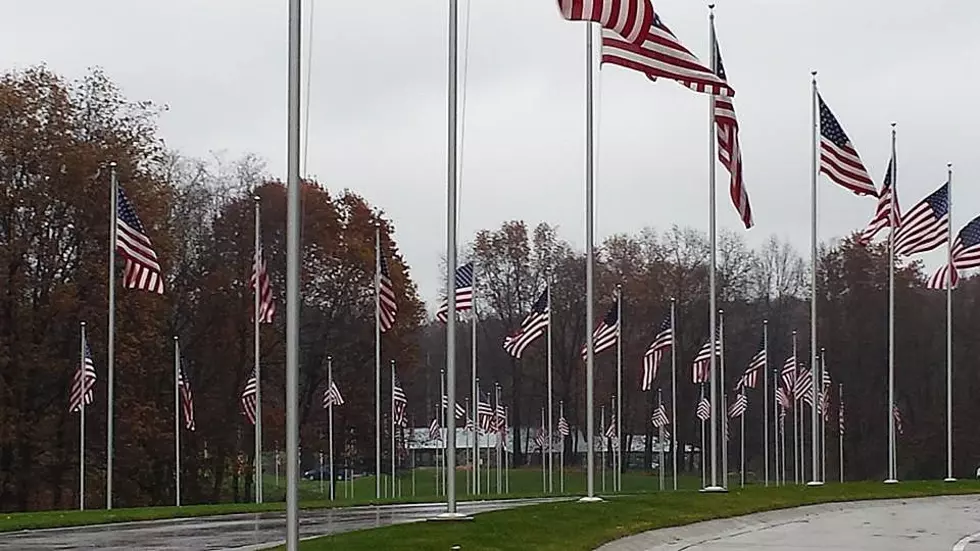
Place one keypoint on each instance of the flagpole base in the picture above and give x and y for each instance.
(590, 499)
(450, 517)
(949, 479)
(891, 481)
(814, 483)
(713, 490)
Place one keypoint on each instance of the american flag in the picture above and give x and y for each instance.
(260, 273)
(142, 270)
(782, 397)
(756, 365)
(563, 429)
(459, 410)
(248, 398)
(464, 292)
(838, 158)
(925, 226)
(659, 417)
(533, 326)
(803, 383)
(606, 334)
(898, 419)
(630, 19)
(704, 409)
(332, 396)
(611, 429)
(789, 373)
(883, 216)
(655, 353)
(702, 362)
(730, 148)
(82, 383)
(659, 54)
(186, 398)
(541, 438)
(500, 419)
(388, 307)
(485, 415)
(435, 431)
(965, 254)
(398, 402)
(739, 405)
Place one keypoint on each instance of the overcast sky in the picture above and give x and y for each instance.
(378, 109)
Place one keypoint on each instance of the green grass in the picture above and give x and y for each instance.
(572, 525)
(523, 483)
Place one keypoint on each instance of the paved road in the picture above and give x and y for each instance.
(932, 524)
(241, 532)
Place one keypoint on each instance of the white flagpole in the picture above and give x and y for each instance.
(660, 440)
(618, 449)
(742, 451)
(605, 444)
(712, 284)
(393, 425)
(796, 416)
(561, 462)
(377, 360)
(111, 337)
(320, 457)
(177, 416)
(544, 465)
(723, 417)
(330, 426)
(823, 417)
(500, 439)
(840, 435)
(814, 369)
(892, 475)
(292, 283)
(258, 367)
(949, 333)
(81, 427)
(551, 407)
(704, 461)
(589, 268)
(765, 397)
(673, 388)
(476, 400)
(468, 450)
(508, 457)
(775, 432)
(444, 412)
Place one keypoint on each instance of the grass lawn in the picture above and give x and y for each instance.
(572, 525)
(523, 483)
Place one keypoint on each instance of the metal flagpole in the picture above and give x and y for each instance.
(949, 331)
(561, 462)
(544, 465)
(660, 440)
(551, 407)
(508, 457)
(445, 410)
(393, 425)
(320, 458)
(782, 447)
(765, 396)
(673, 387)
(775, 429)
(741, 472)
(723, 406)
(292, 283)
(110, 368)
(796, 416)
(589, 268)
(605, 444)
(330, 425)
(840, 434)
(704, 460)
(713, 293)
(892, 475)
(411, 449)
(823, 418)
(814, 369)
(81, 427)
(451, 176)
(258, 368)
(377, 360)
(468, 450)
(499, 439)
(176, 416)
(476, 401)
(618, 450)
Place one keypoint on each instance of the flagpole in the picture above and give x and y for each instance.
(840, 434)
(561, 461)
(823, 417)
(618, 451)
(775, 427)
(377, 360)
(796, 416)
(258, 367)
(442, 415)
(551, 407)
(814, 480)
(292, 282)
(713, 293)
(660, 437)
(589, 269)
(467, 449)
(765, 396)
(704, 461)
(892, 475)
(949, 333)
(330, 425)
(605, 444)
(742, 452)
(177, 416)
(673, 387)
(476, 400)
(500, 440)
(723, 406)
(81, 426)
(544, 466)
(393, 428)
(111, 337)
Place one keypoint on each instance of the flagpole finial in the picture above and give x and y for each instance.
(83, 324)
(794, 332)
(813, 74)
(721, 312)
(894, 124)
(112, 164)
(711, 6)
(175, 336)
(949, 166)
(673, 300)
(329, 358)
(256, 198)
